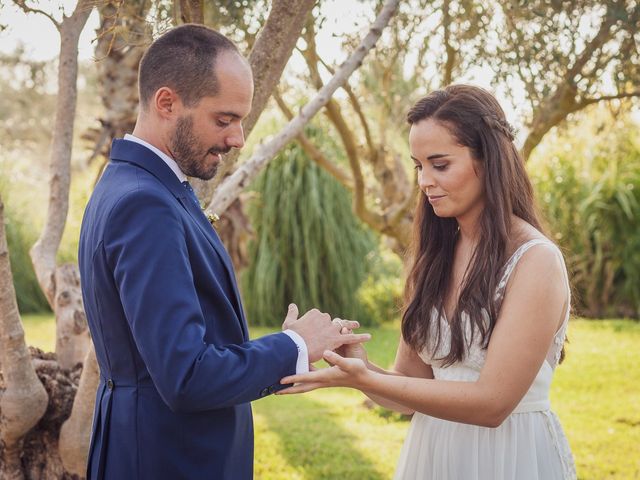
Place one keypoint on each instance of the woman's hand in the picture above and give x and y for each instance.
(355, 350)
(344, 372)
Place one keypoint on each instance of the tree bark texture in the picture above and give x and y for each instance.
(23, 399)
(43, 253)
(41, 457)
(75, 433)
(72, 332)
(122, 39)
(60, 288)
(38, 454)
(192, 11)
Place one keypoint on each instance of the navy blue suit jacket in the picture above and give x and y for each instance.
(177, 368)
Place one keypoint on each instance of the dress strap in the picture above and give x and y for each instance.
(553, 355)
(513, 261)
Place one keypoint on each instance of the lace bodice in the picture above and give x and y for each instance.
(475, 358)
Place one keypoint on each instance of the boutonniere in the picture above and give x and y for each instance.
(212, 217)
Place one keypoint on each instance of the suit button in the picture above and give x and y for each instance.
(264, 392)
(110, 384)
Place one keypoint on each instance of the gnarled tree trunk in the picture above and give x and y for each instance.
(57, 374)
(43, 254)
(75, 433)
(23, 399)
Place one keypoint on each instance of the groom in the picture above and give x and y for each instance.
(177, 368)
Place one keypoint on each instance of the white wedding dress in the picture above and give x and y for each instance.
(530, 443)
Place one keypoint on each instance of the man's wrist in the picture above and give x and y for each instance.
(302, 362)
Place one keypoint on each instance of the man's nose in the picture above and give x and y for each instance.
(236, 137)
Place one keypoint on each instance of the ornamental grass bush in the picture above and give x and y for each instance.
(587, 180)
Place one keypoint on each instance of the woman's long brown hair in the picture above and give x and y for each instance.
(476, 120)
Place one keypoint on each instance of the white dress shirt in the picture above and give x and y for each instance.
(302, 364)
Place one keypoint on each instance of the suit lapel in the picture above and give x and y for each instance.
(140, 155)
(209, 232)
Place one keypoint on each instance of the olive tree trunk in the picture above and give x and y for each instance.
(23, 399)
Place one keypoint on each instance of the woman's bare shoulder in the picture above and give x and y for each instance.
(521, 233)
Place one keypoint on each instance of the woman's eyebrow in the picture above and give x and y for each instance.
(435, 156)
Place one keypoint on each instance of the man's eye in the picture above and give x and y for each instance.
(417, 167)
(222, 123)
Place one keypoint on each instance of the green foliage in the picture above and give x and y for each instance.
(595, 393)
(380, 295)
(309, 248)
(588, 184)
(20, 237)
(541, 43)
(240, 20)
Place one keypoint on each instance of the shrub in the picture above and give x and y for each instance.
(588, 185)
(380, 295)
(309, 247)
(20, 237)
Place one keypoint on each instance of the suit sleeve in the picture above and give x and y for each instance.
(146, 249)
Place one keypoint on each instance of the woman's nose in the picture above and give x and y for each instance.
(425, 181)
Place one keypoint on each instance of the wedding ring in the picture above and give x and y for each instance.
(341, 323)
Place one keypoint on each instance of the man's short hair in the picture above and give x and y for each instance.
(183, 59)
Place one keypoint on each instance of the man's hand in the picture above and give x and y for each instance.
(292, 316)
(352, 350)
(320, 333)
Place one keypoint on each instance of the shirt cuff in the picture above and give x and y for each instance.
(302, 365)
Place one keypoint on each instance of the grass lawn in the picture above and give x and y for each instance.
(330, 434)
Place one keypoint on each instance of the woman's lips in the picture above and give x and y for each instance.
(435, 198)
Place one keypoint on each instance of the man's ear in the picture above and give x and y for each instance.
(166, 103)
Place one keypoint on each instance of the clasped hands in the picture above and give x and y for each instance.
(333, 340)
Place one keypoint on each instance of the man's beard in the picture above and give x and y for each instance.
(189, 154)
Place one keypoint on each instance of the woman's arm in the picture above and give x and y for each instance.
(534, 305)
(408, 364)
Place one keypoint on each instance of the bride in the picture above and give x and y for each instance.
(487, 306)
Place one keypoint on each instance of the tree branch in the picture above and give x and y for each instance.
(313, 151)
(337, 119)
(43, 252)
(23, 400)
(233, 185)
(534, 97)
(595, 43)
(355, 103)
(192, 11)
(27, 9)
(447, 76)
(590, 101)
